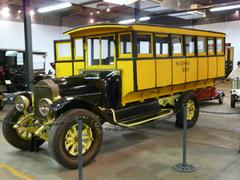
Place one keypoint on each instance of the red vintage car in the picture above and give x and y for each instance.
(210, 93)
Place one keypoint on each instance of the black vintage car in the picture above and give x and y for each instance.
(13, 75)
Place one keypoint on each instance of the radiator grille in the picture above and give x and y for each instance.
(39, 93)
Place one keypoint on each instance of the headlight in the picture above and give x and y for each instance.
(21, 103)
(44, 106)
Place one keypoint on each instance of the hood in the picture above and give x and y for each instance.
(78, 85)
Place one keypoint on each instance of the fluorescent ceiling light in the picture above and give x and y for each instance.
(224, 8)
(189, 15)
(121, 2)
(146, 18)
(54, 7)
(5, 12)
(129, 21)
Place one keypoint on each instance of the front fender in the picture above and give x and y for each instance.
(67, 103)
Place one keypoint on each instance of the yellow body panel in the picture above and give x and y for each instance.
(212, 67)
(191, 69)
(146, 74)
(126, 68)
(164, 72)
(77, 67)
(165, 91)
(221, 66)
(179, 70)
(202, 68)
(63, 69)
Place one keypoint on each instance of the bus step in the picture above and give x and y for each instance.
(145, 119)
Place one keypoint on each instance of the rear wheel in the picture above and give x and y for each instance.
(233, 101)
(63, 138)
(20, 139)
(189, 99)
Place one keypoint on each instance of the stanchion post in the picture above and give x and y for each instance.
(80, 164)
(184, 167)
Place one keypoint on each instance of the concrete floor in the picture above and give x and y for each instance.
(144, 154)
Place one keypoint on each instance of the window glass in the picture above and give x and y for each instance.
(144, 43)
(201, 45)
(93, 51)
(78, 48)
(220, 44)
(211, 45)
(64, 50)
(190, 45)
(107, 50)
(125, 44)
(177, 44)
(162, 45)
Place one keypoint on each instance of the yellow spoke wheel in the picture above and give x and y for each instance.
(190, 110)
(26, 135)
(71, 139)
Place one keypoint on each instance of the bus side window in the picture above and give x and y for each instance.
(144, 44)
(93, 51)
(211, 46)
(190, 45)
(162, 45)
(78, 49)
(220, 46)
(177, 46)
(125, 45)
(201, 44)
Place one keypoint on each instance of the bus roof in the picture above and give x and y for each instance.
(111, 28)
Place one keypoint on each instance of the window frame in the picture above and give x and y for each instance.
(75, 50)
(182, 47)
(125, 56)
(185, 46)
(58, 58)
(214, 49)
(100, 66)
(162, 55)
(223, 46)
(206, 46)
(151, 43)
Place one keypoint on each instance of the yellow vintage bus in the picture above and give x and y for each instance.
(122, 74)
(155, 61)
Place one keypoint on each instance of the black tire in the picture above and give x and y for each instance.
(11, 134)
(233, 101)
(1, 105)
(220, 100)
(58, 132)
(183, 100)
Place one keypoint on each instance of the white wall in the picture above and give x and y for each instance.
(232, 30)
(12, 37)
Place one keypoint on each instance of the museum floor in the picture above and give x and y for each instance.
(146, 153)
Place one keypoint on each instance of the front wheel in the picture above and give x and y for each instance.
(18, 138)
(189, 99)
(63, 138)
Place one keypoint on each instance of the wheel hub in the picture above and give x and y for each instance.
(190, 110)
(71, 139)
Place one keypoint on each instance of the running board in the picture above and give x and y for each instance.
(162, 114)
